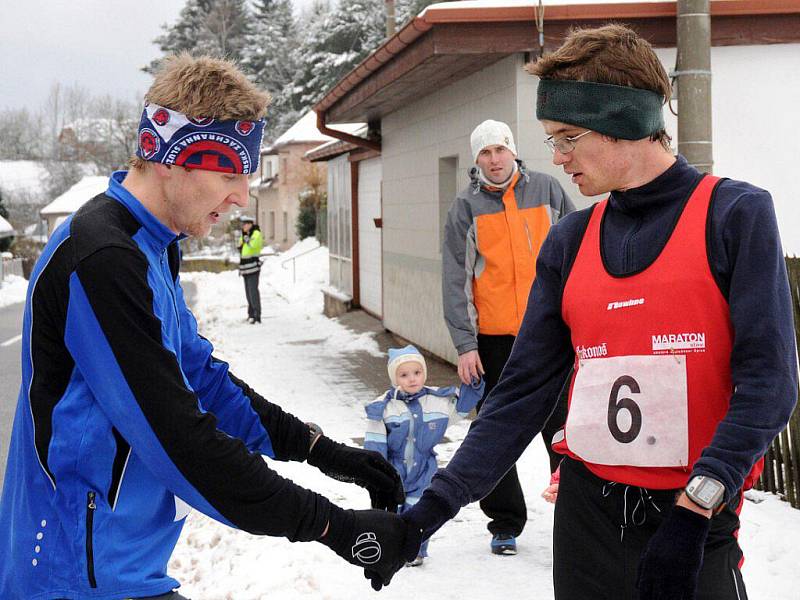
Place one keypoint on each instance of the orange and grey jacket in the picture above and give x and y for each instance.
(491, 241)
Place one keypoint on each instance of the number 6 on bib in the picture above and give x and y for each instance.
(630, 410)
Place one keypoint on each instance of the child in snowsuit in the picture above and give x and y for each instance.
(406, 422)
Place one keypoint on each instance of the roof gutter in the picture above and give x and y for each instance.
(374, 62)
(341, 135)
(442, 13)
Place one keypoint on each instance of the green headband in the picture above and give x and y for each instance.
(618, 111)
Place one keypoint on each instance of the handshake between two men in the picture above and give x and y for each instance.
(378, 540)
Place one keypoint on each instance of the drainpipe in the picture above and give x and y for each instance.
(693, 70)
(391, 21)
(345, 137)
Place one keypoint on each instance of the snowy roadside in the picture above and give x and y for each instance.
(299, 366)
(12, 290)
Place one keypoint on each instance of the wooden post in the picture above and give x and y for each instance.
(788, 467)
(794, 434)
(778, 455)
(769, 479)
(793, 474)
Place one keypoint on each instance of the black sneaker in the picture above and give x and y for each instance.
(504, 544)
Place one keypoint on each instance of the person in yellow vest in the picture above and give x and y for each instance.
(250, 243)
(492, 237)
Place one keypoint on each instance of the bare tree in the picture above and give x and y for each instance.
(21, 135)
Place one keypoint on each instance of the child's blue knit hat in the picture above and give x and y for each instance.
(398, 356)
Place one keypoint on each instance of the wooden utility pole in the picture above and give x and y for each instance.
(391, 21)
(693, 71)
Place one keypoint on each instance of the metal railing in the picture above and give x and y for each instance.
(294, 258)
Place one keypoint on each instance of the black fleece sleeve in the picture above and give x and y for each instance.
(289, 435)
(116, 339)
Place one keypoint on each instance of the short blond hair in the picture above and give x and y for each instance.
(202, 86)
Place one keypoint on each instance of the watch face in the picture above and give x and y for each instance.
(706, 490)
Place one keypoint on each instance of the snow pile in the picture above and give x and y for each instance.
(6, 228)
(296, 358)
(12, 290)
(498, 4)
(305, 130)
(23, 178)
(76, 196)
(299, 273)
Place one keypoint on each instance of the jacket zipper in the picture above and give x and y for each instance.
(170, 286)
(90, 508)
(528, 233)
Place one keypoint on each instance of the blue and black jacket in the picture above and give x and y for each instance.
(125, 417)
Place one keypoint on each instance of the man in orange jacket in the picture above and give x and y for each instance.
(493, 234)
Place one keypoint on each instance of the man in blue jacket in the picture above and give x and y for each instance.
(666, 309)
(125, 418)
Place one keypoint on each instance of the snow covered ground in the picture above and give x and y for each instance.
(12, 290)
(299, 367)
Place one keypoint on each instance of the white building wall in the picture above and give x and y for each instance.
(755, 94)
(369, 236)
(418, 141)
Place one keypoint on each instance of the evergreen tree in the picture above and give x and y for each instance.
(336, 41)
(408, 9)
(212, 27)
(270, 58)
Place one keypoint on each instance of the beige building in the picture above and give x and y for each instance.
(459, 63)
(285, 173)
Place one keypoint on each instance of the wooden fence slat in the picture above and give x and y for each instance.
(782, 461)
(769, 467)
(794, 432)
(786, 462)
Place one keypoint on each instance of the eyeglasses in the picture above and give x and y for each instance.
(565, 145)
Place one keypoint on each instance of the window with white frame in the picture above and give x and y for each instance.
(340, 224)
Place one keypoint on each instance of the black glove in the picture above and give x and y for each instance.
(671, 561)
(427, 516)
(362, 467)
(378, 541)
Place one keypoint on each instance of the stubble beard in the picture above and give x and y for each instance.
(198, 229)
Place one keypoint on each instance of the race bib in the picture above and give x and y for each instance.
(630, 410)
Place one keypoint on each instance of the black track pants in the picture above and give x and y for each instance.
(596, 554)
(505, 504)
(253, 297)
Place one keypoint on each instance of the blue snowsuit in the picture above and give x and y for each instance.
(404, 428)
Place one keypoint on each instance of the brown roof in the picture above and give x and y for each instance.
(448, 43)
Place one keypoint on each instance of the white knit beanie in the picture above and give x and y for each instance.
(491, 133)
(398, 356)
